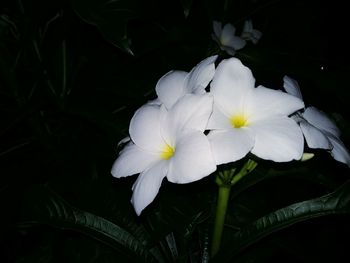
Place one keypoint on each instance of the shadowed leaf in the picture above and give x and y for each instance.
(47, 208)
(335, 203)
(110, 17)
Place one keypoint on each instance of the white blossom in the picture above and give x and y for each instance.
(166, 143)
(248, 119)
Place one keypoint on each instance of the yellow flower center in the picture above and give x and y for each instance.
(223, 41)
(167, 152)
(239, 121)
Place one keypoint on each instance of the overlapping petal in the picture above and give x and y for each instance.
(292, 87)
(231, 145)
(228, 31)
(191, 112)
(229, 50)
(132, 160)
(175, 84)
(232, 83)
(145, 129)
(235, 42)
(218, 120)
(229, 39)
(339, 151)
(269, 102)
(320, 120)
(217, 27)
(147, 185)
(200, 76)
(278, 139)
(249, 33)
(193, 158)
(171, 87)
(315, 138)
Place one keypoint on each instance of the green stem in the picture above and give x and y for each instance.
(224, 194)
(246, 169)
(225, 180)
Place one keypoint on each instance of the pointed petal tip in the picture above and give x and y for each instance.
(138, 210)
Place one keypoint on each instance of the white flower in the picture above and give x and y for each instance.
(249, 33)
(320, 132)
(166, 143)
(175, 84)
(226, 38)
(248, 119)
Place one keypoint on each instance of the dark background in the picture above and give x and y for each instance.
(72, 73)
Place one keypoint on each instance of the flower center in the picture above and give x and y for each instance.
(239, 121)
(167, 152)
(224, 40)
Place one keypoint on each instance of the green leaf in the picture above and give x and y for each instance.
(335, 203)
(44, 207)
(110, 17)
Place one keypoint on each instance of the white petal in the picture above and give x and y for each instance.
(235, 42)
(147, 185)
(145, 130)
(278, 139)
(292, 87)
(132, 160)
(227, 33)
(200, 76)
(297, 117)
(256, 35)
(268, 102)
(170, 87)
(314, 137)
(229, 50)
(232, 83)
(192, 160)
(339, 151)
(249, 33)
(230, 145)
(123, 141)
(155, 102)
(248, 26)
(320, 120)
(217, 27)
(190, 112)
(219, 121)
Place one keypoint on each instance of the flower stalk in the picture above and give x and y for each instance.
(221, 208)
(225, 180)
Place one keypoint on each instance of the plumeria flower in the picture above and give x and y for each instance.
(248, 119)
(166, 143)
(175, 84)
(249, 33)
(226, 38)
(320, 132)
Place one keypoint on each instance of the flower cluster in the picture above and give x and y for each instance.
(216, 115)
(225, 36)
